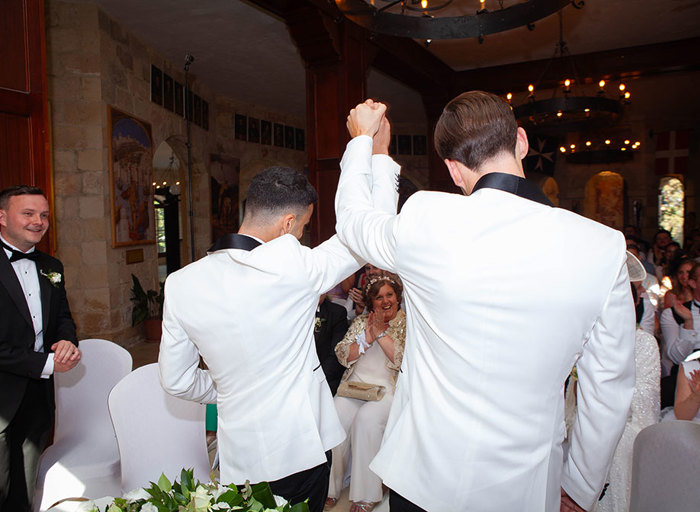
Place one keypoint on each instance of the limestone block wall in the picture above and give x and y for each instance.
(94, 62)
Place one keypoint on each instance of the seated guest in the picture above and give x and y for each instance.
(372, 351)
(686, 406)
(330, 326)
(679, 325)
(339, 294)
(680, 291)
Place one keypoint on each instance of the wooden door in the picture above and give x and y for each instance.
(24, 128)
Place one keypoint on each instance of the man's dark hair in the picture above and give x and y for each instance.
(277, 190)
(474, 127)
(17, 190)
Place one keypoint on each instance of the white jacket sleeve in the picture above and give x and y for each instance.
(604, 392)
(361, 225)
(333, 261)
(178, 362)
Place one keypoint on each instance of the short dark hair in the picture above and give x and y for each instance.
(375, 284)
(474, 127)
(17, 190)
(276, 189)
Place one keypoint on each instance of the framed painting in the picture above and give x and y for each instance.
(179, 99)
(279, 135)
(299, 139)
(289, 137)
(265, 132)
(197, 114)
(253, 129)
(156, 85)
(168, 95)
(205, 115)
(225, 207)
(240, 125)
(131, 179)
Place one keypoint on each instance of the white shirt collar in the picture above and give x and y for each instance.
(9, 253)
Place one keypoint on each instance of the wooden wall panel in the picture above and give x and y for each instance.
(24, 129)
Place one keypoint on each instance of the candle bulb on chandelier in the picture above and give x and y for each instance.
(424, 4)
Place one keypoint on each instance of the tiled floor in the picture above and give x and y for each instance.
(146, 353)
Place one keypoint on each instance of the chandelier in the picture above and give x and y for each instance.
(573, 106)
(419, 19)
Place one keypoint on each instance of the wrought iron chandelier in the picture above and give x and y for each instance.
(574, 105)
(419, 19)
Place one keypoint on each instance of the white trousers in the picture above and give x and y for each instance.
(364, 424)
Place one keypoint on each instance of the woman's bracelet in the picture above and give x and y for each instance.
(380, 336)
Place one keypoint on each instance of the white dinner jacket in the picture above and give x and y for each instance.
(503, 296)
(250, 314)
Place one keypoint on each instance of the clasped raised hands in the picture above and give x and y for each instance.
(366, 118)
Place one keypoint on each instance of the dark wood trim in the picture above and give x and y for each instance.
(15, 102)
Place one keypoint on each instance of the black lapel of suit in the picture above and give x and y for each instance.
(45, 287)
(9, 280)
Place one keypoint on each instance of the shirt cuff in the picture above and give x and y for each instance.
(48, 367)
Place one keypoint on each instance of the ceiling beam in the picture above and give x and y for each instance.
(660, 58)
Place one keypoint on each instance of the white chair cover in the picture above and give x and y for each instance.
(84, 459)
(156, 432)
(666, 468)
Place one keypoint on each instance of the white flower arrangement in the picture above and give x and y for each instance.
(54, 277)
(189, 495)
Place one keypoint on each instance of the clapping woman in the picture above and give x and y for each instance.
(372, 351)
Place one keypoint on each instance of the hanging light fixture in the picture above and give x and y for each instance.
(430, 19)
(574, 105)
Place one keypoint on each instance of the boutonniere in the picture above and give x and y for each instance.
(53, 277)
(318, 323)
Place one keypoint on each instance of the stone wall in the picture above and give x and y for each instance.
(94, 62)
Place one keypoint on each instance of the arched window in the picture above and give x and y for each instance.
(671, 206)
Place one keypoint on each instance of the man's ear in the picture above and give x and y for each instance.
(455, 173)
(3, 218)
(522, 146)
(287, 222)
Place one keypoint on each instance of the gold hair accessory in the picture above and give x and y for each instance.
(376, 280)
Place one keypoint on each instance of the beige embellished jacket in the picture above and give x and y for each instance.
(396, 331)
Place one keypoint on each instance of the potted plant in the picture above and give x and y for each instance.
(148, 308)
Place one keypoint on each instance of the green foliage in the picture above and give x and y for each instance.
(147, 304)
(189, 495)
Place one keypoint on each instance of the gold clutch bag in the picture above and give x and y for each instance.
(361, 391)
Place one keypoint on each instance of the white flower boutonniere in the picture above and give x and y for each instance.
(318, 323)
(53, 277)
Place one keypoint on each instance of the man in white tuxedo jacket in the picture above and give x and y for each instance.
(248, 309)
(477, 422)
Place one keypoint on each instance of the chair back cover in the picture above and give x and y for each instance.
(81, 394)
(666, 468)
(156, 432)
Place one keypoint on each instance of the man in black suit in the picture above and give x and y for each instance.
(331, 325)
(37, 338)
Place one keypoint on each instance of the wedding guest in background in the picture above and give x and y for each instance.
(339, 295)
(661, 239)
(686, 406)
(330, 326)
(372, 351)
(680, 291)
(37, 339)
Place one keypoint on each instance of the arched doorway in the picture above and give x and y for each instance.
(168, 184)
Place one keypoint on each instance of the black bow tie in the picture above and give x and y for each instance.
(18, 255)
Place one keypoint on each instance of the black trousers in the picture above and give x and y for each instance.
(398, 503)
(21, 444)
(310, 483)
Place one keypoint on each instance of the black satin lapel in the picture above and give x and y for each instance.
(46, 289)
(9, 280)
(513, 184)
(234, 241)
